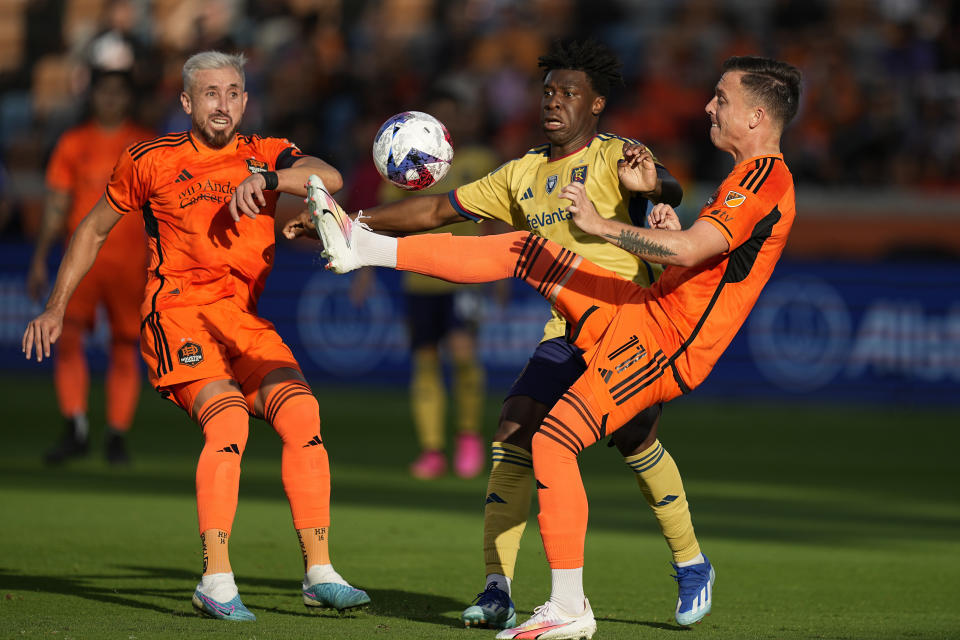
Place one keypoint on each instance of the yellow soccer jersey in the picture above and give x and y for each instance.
(469, 163)
(525, 193)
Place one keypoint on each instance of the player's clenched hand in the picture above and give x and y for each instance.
(248, 198)
(582, 211)
(637, 170)
(300, 226)
(42, 332)
(662, 216)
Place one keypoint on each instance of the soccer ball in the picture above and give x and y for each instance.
(413, 150)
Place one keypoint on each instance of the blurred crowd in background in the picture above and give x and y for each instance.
(881, 108)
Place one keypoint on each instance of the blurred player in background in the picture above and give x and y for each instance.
(443, 317)
(79, 169)
(643, 345)
(207, 198)
(525, 193)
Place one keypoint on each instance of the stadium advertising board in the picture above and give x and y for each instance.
(838, 331)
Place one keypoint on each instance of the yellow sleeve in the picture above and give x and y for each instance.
(490, 197)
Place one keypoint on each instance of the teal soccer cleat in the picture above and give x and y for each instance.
(334, 596)
(231, 610)
(492, 608)
(696, 591)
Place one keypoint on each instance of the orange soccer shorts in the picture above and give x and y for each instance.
(216, 341)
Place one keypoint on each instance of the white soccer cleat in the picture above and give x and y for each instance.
(549, 622)
(334, 226)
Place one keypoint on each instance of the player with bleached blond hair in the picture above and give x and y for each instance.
(207, 197)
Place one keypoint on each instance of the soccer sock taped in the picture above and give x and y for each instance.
(469, 389)
(294, 414)
(566, 590)
(122, 384)
(216, 554)
(71, 377)
(428, 399)
(572, 425)
(225, 421)
(509, 493)
(314, 546)
(660, 482)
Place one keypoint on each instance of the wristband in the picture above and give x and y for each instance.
(271, 179)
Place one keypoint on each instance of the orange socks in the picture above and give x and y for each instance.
(295, 415)
(224, 420)
(461, 258)
(123, 385)
(572, 425)
(70, 374)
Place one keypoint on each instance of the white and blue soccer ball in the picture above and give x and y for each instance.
(413, 150)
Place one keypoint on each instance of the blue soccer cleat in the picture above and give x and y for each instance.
(696, 591)
(230, 610)
(492, 608)
(334, 596)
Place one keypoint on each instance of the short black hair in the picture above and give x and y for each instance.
(774, 83)
(593, 58)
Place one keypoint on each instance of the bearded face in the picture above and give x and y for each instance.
(215, 102)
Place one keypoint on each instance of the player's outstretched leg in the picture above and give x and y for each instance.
(695, 582)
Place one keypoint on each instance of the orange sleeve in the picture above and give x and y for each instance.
(61, 170)
(281, 152)
(127, 191)
(736, 210)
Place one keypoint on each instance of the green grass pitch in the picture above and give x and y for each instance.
(822, 522)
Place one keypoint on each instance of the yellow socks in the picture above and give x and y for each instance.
(428, 400)
(509, 493)
(216, 556)
(469, 390)
(660, 482)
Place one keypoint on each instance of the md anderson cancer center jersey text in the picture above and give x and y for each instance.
(198, 254)
(525, 193)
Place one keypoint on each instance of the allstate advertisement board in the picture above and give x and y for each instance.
(839, 331)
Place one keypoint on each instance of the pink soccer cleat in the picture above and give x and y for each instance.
(430, 465)
(468, 461)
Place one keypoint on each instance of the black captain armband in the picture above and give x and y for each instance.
(271, 179)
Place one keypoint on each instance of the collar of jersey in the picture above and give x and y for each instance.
(765, 155)
(574, 152)
(202, 147)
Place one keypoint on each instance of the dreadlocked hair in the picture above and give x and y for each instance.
(594, 59)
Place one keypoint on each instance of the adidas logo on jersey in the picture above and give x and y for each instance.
(527, 194)
(184, 176)
(232, 448)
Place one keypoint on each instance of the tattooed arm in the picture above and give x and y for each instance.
(665, 242)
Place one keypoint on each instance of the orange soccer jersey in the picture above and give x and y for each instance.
(706, 304)
(199, 256)
(81, 164)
